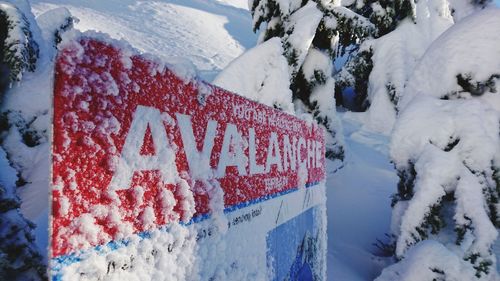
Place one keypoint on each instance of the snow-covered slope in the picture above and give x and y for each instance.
(207, 33)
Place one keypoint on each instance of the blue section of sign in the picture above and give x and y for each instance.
(292, 249)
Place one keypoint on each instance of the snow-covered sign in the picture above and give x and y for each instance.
(157, 175)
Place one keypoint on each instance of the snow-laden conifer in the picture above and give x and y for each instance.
(446, 148)
(20, 259)
(19, 51)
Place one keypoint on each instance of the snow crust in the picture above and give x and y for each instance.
(358, 204)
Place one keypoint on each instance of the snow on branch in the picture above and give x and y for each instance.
(19, 51)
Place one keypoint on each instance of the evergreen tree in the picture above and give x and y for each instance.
(446, 148)
(313, 33)
(385, 16)
(23, 51)
(339, 31)
(19, 257)
(18, 51)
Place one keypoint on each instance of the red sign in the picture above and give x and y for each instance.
(136, 147)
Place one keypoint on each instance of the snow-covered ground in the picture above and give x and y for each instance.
(359, 205)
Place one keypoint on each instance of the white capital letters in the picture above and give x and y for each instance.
(198, 161)
(311, 153)
(289, 153)
(254, 167)
(131, 159)
(237, 158)
(319, 154)
(302, 162)
(273, 154)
